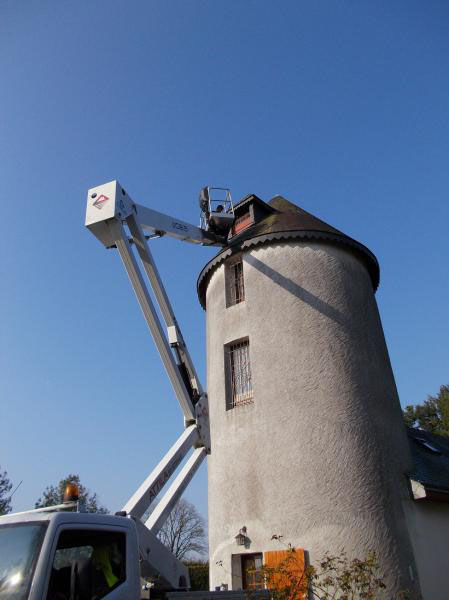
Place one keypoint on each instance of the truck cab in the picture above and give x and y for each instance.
(72, 556)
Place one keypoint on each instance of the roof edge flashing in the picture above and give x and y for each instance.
(418, 490)
(421, 491)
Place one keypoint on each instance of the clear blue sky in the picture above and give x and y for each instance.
(342, 107)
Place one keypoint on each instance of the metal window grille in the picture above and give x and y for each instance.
(240, 372)
(236, 283)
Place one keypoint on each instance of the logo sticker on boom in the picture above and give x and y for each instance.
(100, 201)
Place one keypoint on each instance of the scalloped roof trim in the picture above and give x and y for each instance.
(362, 251)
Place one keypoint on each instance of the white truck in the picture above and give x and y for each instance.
(63, 553)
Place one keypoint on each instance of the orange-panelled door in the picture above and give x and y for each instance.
(289, 566)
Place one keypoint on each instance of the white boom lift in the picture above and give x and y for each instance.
(120, 223)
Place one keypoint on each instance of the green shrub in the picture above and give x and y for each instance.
(199, 574)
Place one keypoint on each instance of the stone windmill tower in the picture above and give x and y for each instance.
(307, 434)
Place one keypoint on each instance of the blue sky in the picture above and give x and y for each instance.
(342, 107)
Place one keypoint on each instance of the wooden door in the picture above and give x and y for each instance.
(251, 571)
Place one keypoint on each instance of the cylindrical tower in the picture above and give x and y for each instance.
(308, 441)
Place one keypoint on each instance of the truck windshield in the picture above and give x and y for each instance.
(19, 549)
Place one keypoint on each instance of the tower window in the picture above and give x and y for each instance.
(235, 286)
(239, 374)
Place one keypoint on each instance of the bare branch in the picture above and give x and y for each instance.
(184, 531)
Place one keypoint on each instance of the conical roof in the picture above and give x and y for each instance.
(288, 217)
(285, 220)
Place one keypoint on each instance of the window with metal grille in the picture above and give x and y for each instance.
(239, 371)
(235, 284)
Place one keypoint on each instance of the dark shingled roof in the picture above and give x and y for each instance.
(284, 221)
(430, 468)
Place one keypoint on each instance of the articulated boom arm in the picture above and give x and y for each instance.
(109, 211)
(110, 200)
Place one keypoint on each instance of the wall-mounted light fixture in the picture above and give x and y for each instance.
(241, 538)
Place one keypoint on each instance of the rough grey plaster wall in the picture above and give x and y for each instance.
(320, 456)
(429, 531)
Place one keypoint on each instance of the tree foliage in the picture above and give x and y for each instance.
(5, 498)
(184, 531)
(432, 415)
(199, 574)
(54, 494)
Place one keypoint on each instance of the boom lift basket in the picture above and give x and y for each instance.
(217, 210)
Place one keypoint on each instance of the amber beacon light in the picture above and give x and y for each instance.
(71, 493)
